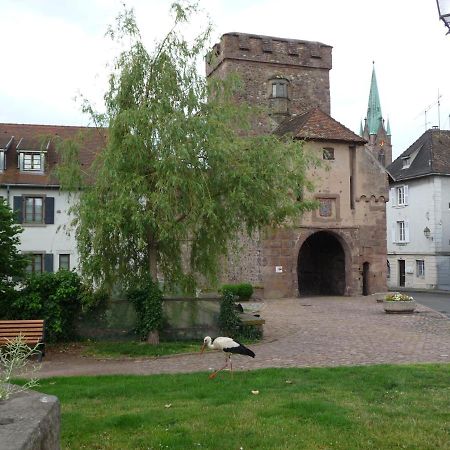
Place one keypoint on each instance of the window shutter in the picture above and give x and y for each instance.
(406, 231)
(18, 209)
(48, 262)
(393, 231)
(393, 197)
(405, 190)
(49, 210)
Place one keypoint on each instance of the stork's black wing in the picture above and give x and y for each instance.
(241, 350)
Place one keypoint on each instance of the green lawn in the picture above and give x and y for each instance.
(373, 407)
(137, 349)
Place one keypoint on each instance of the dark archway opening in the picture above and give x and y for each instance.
(366, 271)
(321, 266)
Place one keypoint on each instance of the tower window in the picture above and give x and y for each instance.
(328, 154)
(381, 158)
(279, 89)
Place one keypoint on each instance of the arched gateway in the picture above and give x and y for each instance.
(321, 265)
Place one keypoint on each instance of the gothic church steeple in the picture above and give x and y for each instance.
(378, 137)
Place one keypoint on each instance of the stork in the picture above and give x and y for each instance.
(229, 346)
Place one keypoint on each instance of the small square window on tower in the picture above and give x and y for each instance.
(279, 89)
(328, 154)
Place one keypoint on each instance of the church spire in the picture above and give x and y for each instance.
(388, 128)
(374, 116)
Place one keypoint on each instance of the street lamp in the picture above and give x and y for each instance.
(444, 12)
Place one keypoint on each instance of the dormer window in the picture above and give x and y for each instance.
(5, 143)
(406, 162)
(279, 88)
(31, 156)
(31, 162)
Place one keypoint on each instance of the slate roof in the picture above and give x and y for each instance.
(317, 125)
(432, 157)
(92, 141)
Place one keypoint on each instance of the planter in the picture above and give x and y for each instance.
(399, 307)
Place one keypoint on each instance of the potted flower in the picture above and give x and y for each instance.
(399, 303)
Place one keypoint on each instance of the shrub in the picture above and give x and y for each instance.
(147, 301)
(243, 290)
(229, 321)
(54, 297)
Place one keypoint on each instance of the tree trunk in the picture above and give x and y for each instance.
(153, 336)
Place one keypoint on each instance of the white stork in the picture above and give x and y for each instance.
(229, 346)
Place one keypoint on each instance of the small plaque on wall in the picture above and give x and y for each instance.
(326, 207)
(279, 269)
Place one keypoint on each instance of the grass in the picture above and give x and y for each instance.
(131, 349)
(137, 349)
(370, 407)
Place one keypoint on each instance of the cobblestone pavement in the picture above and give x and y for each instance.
(305, 332)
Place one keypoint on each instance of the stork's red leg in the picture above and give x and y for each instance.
(214, 374)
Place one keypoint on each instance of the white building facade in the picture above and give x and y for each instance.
(28, 185)
(418, 215)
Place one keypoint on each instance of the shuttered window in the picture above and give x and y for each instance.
(35, 264)
(34, 210)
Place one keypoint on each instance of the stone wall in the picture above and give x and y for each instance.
(30, 421)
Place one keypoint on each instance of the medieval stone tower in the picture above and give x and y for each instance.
(374, 130)
(340, 248)
(287, 76)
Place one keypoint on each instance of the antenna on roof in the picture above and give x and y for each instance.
(438, 103)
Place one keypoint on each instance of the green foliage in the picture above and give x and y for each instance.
(14, 362)
(54, 297)
(243, 290)
(181, 176)
(147, 300)
(229, 321)
(250, 332)
(12, 262)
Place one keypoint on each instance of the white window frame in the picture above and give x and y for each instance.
(2, 160)
(401, 231)
(420, 268)
(35, 164)
(406, 162)
(400, 196)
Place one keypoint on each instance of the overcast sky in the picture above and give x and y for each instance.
(52, 50)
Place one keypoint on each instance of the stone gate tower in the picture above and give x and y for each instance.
(288, 76)
(339, 248)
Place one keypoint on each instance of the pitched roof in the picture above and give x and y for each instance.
(317, 125)
(430, 154)
(92, 140)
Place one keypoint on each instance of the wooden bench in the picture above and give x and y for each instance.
(32, 332)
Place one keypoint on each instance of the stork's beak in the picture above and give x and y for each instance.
(203, 347)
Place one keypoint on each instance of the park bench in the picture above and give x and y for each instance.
(32, 332)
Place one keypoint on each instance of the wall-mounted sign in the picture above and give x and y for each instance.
(278, 269)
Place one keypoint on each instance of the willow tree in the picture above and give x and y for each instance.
(181, 175)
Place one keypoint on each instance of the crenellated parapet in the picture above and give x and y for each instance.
(270, 50)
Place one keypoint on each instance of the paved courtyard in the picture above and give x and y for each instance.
(305, 332)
